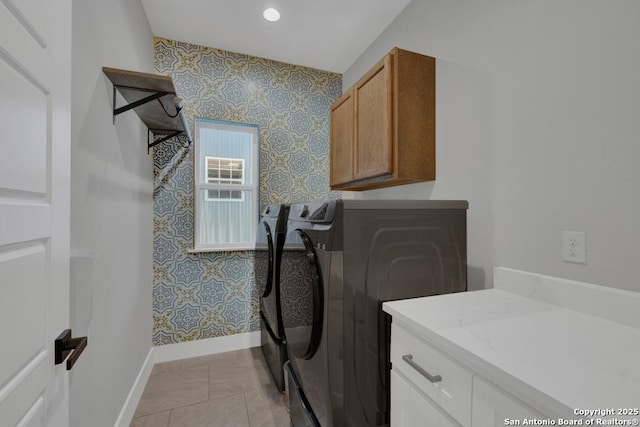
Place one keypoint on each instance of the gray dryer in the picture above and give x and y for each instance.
(357, 255)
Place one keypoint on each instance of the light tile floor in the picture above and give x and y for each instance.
(233, 389)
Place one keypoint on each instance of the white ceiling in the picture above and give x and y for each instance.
(325, 34)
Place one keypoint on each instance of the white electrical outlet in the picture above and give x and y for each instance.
(574, 246)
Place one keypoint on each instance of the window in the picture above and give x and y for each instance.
(222, 170)
(226, 185)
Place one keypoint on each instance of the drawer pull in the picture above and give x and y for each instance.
(432, 378)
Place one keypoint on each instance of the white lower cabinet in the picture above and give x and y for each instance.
(493, 407)
(430, 388)
(411, 409)
(445, 382)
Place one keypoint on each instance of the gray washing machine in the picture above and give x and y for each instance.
(353, 255)
(268, 255)
(307, 291)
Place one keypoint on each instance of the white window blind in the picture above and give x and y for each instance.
(226, 185)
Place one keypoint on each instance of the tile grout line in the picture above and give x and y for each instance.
(211, 367)
(246, 407)
(173, 371)
(175, 407)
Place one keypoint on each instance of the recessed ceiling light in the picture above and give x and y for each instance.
(271, 14)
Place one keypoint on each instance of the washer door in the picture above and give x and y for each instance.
(264, 260)
(302, 296)
(299, 408)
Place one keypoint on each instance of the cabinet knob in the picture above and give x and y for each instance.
(432, 378)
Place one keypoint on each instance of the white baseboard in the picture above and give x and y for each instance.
(130, 405)
(184, 350)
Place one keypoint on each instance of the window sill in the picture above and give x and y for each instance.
(205, 250)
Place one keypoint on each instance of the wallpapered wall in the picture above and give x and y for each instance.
(207, 295)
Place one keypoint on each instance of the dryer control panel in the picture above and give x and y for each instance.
(317, 212)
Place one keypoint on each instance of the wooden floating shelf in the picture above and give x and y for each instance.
(153, 97)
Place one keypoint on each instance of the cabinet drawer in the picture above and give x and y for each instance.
(450, 385)
(492, 407)
(409, 408)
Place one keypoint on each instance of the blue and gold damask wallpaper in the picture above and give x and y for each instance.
(205, 295)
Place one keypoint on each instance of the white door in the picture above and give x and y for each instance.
(35, 68)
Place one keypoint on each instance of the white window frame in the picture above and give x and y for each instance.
(252, 186)
(234, 181)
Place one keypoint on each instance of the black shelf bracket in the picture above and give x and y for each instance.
(172, 134)
(154, 95)
(144, 93)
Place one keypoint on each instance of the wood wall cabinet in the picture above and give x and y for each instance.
(342, 130)
(383, 127)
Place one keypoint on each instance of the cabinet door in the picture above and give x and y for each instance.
(410, 409)
(373, 122)
(341, 146)
(412, 357)
(493, 407)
